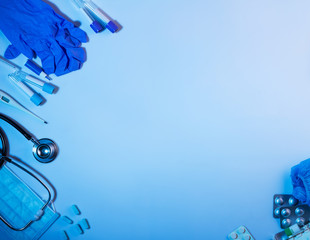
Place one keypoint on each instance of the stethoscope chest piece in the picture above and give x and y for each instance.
(45, 150)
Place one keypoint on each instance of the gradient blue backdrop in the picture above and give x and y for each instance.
(184, 124)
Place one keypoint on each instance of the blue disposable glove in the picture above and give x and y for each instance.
(300, 175)
(34, 29)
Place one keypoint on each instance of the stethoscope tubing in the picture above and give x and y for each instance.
(4, 159)
(16, 126)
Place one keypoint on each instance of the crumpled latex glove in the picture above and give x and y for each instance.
(34, 29)
(300, 175)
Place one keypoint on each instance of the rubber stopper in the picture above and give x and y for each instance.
(48, 88)
(112, 27)
(36, 99)
(96, 26)
(33, 67)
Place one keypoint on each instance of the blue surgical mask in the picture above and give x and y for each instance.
(18, 205)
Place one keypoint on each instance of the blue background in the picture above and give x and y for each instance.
(184, 124)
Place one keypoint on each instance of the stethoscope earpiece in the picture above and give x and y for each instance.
(45, 150)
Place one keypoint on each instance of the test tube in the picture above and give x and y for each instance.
(94, 9)
(94, 24)
(33, 96)
(44, 86)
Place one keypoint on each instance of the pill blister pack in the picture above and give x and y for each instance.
(299, 214)
(295, 232)
(241, 233)
(282, 200)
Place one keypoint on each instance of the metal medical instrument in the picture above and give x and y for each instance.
(8, 100)
(43, 151)
(91, 9)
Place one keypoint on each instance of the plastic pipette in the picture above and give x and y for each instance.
(7, 99)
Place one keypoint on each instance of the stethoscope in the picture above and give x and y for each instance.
(44, 150)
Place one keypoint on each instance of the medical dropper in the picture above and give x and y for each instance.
(7, 99)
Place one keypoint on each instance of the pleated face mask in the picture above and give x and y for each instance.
(19, 204)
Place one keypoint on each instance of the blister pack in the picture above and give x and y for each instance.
(299, 214)
(241, 233)
(294, 232)
(282, 200)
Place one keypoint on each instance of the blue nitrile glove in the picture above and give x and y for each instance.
(34, 28)
(300, 175)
